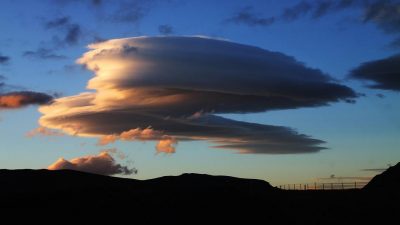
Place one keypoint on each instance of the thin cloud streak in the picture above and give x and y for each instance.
(42, 131)
(43, 53)
(248, 17)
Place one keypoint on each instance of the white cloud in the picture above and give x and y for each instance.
(103, 164)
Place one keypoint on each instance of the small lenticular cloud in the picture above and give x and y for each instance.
(103, 164)
(13, 100)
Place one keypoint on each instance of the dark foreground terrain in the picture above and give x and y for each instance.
(195, 198)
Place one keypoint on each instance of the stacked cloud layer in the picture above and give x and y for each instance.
(176, 86)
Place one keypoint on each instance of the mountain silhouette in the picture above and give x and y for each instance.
(197, 198)
(389, 180)
(47, 187)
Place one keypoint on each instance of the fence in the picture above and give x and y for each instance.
(324, 186)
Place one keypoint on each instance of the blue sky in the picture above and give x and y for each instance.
(359, 136)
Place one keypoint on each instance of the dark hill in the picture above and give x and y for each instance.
(202, 182)
(188, 198)
(45, 188)
(389, 180)
(61, 180)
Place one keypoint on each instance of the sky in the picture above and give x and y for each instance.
(284, 91)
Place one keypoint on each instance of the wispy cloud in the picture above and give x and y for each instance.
(378, 170)
(4, 59)
(384, 14)
(296, 11)
(165, 29)
(343, 178)
(42, 131)
(130, 11)
(95, 3)
(43, 53)
(249, 17)
(71, 32)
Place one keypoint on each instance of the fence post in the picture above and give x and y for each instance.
(323, 186)
(331, 186)
(315, 186)
(355, 184)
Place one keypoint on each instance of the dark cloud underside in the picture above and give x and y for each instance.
(383, 73)
(23, 98)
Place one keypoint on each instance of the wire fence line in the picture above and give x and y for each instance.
(324, 186)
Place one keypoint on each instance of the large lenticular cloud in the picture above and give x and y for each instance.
(176, 85)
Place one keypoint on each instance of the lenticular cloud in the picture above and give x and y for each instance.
(178, 85)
